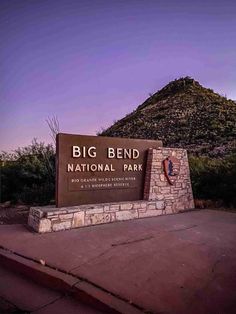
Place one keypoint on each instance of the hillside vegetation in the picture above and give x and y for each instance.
(183, 114)
(188, 115)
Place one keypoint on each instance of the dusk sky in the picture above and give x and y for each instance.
(91, 62)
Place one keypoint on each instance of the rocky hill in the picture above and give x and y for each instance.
(183, 114)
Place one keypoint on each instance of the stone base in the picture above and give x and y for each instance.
(178, 196)
(48, 219)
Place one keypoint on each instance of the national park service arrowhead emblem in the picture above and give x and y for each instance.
(171, 168)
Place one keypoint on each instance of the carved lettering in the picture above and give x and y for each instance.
(83, 152)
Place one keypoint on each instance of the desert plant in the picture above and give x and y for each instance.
(28, 174)
(214, 178)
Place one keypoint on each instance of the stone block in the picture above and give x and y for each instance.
(160, 205)
(114, 207)
(113, 217)
(126, 214)
(87, 221)
(143, 205)
(142, 210)
(167, 151)
(155, 190)
(33, 222)
(151, 206)
(126, 206)
(65, 216)
(168, 202)
(107, 208)
(36, 212)
(156, 177)
(165, 190)
(161, 184)
(171, 196)
(61, 225)
(78, 220)
(174, 190)
(162, 177)
(44, 225)
(99, 218)
(55, 213)
(95, 210)
(150, 213)
(182, 193)
(152, 196)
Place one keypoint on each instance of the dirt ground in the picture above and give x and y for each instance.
(13, 214)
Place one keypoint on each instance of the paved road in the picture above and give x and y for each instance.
(184, 263)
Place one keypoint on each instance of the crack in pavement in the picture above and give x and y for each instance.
(90, 260)
(132, 241)
(182, 229)
(113, 245)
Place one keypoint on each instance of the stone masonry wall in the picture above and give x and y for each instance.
(160, 198)
(176, 197)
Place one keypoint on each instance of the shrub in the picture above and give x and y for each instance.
(28, 174)
(214, 178)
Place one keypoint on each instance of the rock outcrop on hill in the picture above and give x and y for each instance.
(183, 114)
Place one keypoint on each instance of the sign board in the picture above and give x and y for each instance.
(97, 169)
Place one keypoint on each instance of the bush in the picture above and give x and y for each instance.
(214, 178)
(28, 174)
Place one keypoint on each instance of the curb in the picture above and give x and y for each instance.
(54, 279)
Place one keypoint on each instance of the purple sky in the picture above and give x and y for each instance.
(91, 62)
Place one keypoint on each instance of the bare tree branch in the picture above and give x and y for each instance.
(53, 125)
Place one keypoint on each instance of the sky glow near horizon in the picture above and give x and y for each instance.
(92, 62)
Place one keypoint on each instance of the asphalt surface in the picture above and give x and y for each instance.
(21, 295)
(183, 263)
